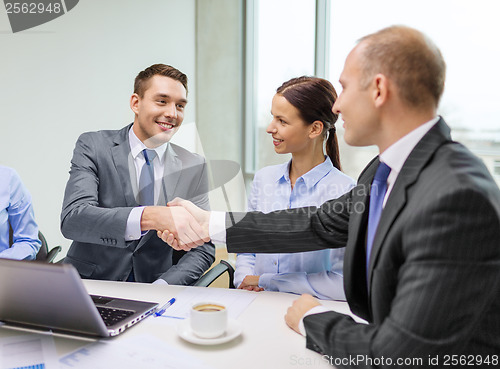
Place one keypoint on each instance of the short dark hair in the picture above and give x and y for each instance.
(410, 59)
(141, 81)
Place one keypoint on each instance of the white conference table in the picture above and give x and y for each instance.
(266, 340)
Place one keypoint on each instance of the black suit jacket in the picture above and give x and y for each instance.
(99, 198)
(434, 272)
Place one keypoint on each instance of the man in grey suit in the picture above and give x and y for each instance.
(116, 179)
(421, 229)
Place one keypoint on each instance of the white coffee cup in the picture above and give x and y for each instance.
(208, 319)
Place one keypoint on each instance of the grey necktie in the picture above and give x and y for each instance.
(146, 193)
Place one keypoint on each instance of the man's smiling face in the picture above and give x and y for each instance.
(160, 112)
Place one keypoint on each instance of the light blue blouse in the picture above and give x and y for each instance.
(318, 273)
(16, 209)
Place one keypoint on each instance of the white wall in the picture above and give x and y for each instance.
(219, 75)
(75, 74)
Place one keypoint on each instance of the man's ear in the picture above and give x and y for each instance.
(134, 103)
(380, 90)
(316, 129)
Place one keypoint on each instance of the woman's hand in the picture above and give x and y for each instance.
(251, 283)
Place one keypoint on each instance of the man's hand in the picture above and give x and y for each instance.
(299, 307)
(180, 223)
(201, 216)
(251, 283)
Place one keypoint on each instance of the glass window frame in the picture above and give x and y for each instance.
(321, 63)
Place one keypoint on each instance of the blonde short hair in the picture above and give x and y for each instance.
(410, 59)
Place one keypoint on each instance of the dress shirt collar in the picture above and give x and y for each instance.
(396, 154)
(310, 178)
(136, 146)
(283, 172)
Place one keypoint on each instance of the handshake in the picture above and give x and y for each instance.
(181, 224)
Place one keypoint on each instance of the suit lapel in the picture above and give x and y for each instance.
(354, 259)
(361, 199)
(120, 153)
(171, 174)
(410, 171)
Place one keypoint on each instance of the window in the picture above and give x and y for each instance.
(466, 33)
(496, 168)
(280, 46)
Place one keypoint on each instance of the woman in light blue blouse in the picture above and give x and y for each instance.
(302, 121)
(16, 210)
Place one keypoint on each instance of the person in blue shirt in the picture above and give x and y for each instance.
(302, 121)
(16, 211)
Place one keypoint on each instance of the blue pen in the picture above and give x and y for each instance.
(165, 307)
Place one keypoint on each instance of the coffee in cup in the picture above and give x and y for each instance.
(209, 307)
(208, 319)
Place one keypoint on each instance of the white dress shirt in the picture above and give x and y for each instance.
(396, 154)
(133, 229)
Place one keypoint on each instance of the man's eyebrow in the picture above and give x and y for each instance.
(165, 96)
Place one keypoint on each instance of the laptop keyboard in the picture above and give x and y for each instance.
(112, 316)
(100, 299)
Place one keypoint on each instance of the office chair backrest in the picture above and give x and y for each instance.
(214, 273)
(44, 249)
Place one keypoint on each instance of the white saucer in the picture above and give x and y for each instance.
(234, 329)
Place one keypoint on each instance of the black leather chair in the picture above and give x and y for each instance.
(214, 273)
(43, 254)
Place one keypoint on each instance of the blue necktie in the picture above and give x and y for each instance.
(146, 193)
(377, 194)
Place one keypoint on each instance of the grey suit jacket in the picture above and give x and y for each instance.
(97, 202)
(434, 272)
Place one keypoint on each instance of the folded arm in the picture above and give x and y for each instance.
(324, 285)
(245, 265)
(191, 265)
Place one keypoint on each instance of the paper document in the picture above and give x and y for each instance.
(235, 301)
(28, 351)
(131, 353)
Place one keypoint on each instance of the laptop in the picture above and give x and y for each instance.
(52, 296)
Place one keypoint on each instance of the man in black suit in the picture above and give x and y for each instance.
(421, 229)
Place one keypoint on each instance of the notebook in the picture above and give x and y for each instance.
(52, 296)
